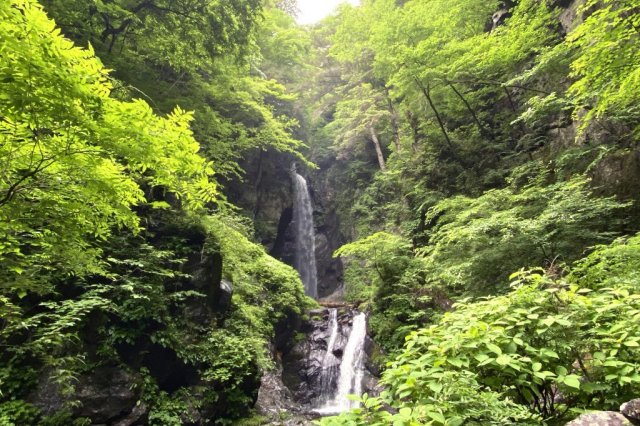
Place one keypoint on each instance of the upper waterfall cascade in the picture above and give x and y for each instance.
(305, 254)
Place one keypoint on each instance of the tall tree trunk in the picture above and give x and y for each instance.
(376, 144)
(425, 92)
(395, 126)
(415, 130)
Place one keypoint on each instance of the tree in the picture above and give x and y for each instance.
(358, 116)
(607, 66)
(74, 160)
(199, 54)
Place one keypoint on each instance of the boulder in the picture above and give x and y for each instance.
(47, 395)
(603, 418)
(631, 409)
(104, 395)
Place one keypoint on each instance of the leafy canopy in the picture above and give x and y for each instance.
(74, 160)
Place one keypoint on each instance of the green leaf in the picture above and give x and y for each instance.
(504, 360)
(481, 357)
(572, 381)
(495, 349)
(435, 387)
(456, 362)
(438, 417)
(405, 412)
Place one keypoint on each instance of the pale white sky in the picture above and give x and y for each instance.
(312, 11)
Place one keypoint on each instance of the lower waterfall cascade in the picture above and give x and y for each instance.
(350, 373)
(330, 363)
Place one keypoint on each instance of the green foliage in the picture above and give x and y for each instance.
(73, 159)
(285, 48)
(458, 399)
(577, 337)
(359, 114)
(434, 121)
(472, 245)
(379, 272)
(162, 31)
(610, 266)
(17, 412)
(475, 243)
(64, 418)
(266, 282)
(204, 56)
(103, 202)
(385, 254)
(607, 67)
(506, 133)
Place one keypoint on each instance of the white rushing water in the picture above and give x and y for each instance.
(351, 369)
(330, 364)
(305, 255)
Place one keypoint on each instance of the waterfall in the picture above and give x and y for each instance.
(352, 365)
(305, 255)
(330, 363)
(351, 371)
(338, 376)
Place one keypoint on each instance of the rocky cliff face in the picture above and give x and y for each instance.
(266, 195)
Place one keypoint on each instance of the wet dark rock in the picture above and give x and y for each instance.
(137, 416)
(603, 418)
(570, 17)
(198, 311)
(264, 192)
(207, 276)
(266, 195)
(498, 18)
(327, 228)
(373, 350)
(225, 294)
(104, 395)
(107, 394)
(170, 372)
(274, 398)
(47, 395)
(284, 246)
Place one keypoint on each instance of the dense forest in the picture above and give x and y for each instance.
(475, 173)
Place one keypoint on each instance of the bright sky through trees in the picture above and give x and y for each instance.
(312, 11)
